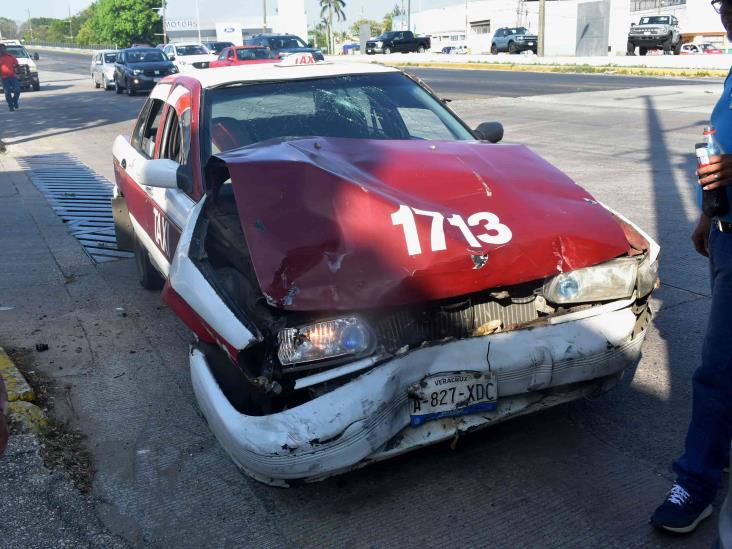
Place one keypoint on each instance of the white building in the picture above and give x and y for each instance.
(185, 19)
(572, 27)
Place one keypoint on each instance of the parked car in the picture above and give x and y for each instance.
(102, 68)
(244, 55)
(366, 275)
(189, 56)
(655, 32)
(139, 69)
(514, 40)
(217, 47)
(397, 42)
(689, 49)
(27, 71)
(710, 48)
(284, 44)
(454, 50)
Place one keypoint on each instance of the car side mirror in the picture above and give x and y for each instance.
(160, 172)
(171, 57)
(489, 131)
(36, 57)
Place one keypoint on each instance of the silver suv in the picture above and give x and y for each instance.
(513, 40)
(655, 32)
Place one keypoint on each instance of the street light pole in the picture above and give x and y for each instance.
(198, 22)
(264, 16)
(542, 8)
(30, 24)
(409, 14)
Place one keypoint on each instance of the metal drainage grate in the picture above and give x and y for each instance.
(81, 198)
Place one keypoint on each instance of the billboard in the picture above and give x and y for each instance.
(229, 32)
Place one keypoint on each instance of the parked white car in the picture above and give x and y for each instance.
(189, 55)
(102, 69)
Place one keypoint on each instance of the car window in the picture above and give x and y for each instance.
(194, 49)
(380, 106)
(145, 133)
(223, 55)
(144, 55)
(170, 145)
(249, 54)
(109, 57)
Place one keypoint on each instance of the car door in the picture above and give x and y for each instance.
(170, 207)
(130, 155)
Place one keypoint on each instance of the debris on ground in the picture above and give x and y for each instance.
(40, 347)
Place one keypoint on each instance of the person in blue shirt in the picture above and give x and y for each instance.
(706, 452)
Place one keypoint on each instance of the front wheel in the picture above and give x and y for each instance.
(149, 277)
(387, 51)
(420, 49)
(105, 83)
(631, 48)
(642, 51)
(494, 49)
(512, 47)
(677, 48)
(96, 84)
(129, 89)
(36, 86)
(117, 89)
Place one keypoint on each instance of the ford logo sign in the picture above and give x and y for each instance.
(229, 29)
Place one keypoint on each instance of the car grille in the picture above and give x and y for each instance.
(457, 318)
(151, 72)
(22, 71)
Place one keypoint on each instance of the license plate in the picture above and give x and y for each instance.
(531, 43)
(452, 394)
(156, 79)
(646, 32)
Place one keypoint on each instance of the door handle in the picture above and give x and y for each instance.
(124, 164)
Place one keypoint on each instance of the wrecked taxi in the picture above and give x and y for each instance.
(364, 273)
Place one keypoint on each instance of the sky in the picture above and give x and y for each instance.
(371, 9)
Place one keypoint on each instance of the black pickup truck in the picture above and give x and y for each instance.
(397, 41)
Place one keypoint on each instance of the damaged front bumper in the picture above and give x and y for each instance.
(368, 418)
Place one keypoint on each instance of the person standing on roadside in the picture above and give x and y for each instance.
(699, 469)
(11, 84)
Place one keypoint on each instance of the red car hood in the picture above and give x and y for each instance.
(318, 218)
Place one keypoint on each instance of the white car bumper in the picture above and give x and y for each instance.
(367, 418)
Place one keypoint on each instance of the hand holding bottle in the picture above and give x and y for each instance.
(718, 173)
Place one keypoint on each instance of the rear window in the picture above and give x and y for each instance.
(191, 50)
(250, 54)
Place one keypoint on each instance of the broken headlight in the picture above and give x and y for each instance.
(612, 280)
(647, 276)
(328, 339)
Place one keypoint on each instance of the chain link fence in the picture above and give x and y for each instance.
(69, 45)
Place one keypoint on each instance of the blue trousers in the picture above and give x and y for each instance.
(707, 446)
(11, 86)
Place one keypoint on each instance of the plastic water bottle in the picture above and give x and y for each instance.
(714, 203)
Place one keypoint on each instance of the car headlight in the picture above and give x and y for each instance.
(379, 43)
(136, 72)
(328, 339)
(173, 69)
(612, 280)
(647, 276)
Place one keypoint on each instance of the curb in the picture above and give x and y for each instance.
(577, 69)
(21, 411)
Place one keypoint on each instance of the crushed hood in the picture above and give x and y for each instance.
(327, 220)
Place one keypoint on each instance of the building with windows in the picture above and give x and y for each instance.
(572, 27)
(194, 20)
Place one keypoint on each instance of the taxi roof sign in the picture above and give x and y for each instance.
(298, 58)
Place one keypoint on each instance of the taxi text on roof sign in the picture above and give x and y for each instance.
(297, 59)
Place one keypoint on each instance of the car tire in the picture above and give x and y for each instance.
(642, 51)
(36, 86)
(512, 48)
(677, 48)
(420, 49)
(97, 85)
(149, 277)
(105, 83)
(387, 51)
(630, 49)
(494, 49)
(117, 89)
(128, 89)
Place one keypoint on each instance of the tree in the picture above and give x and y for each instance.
(388, 21)
(123, 22)
(8, 28)
(374, 27)
(332, 7)
(40, 25)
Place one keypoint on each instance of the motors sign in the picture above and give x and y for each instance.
(180, 24)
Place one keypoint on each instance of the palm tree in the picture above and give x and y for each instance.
(332, 7)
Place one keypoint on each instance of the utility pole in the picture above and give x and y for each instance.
(542, 14)
(198, 22)
(71, 28)
(409, 14)
(30, 24)
(165, 32)
(264, 16)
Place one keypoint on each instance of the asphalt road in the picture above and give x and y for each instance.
(465, 84)
(586, 474)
